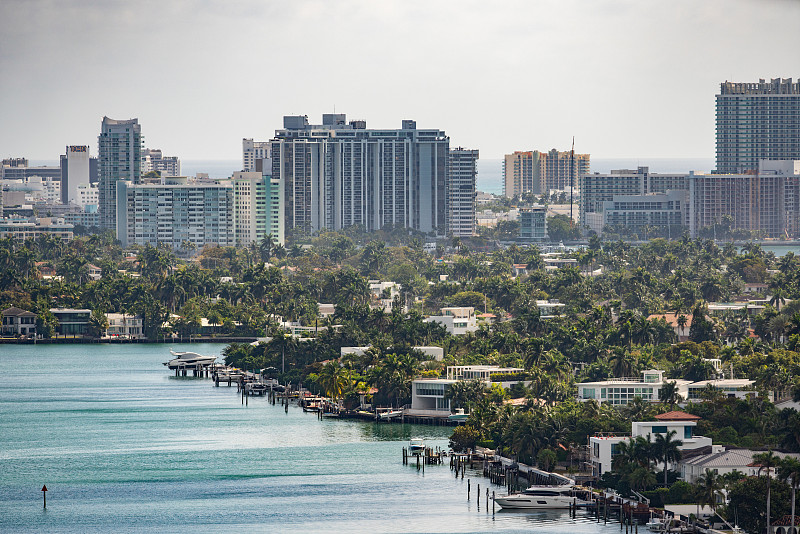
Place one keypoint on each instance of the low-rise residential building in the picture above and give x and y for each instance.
(603, 448)
(124, 326)
(71, 322)
(18, 322)
(620, 391)
(550, 308)
(20, 228)
(730, 387)
(681, 323)
(722, 462)
(429, 395)
(457, 320)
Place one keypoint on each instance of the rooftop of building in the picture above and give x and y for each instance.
(677, 416)
(17, 312)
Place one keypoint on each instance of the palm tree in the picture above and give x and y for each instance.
(766, 461)
(790, 470)
(778, 298)
(708, 488)
(667, 449)
(668, 394)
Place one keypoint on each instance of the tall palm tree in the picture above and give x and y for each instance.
(709, 487)
(789, 470)
(667, 449)
(767, 461)
(668, 394)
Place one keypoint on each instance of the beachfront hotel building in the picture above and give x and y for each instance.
(120, 147)
(539, 172)
(178, 212)
(340, 174)
(757, 121)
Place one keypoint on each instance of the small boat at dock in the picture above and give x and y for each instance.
(416, 446)
(389, 414)
(459, 416)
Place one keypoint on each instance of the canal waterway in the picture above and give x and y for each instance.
(124, 446)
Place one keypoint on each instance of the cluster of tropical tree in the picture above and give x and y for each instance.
(612, 325)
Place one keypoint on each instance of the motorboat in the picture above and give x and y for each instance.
(416, 446)
(656, 525)
(390, 414)
(188, 359)
(459, 416)
(541, 498)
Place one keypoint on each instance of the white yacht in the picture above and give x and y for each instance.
(541, 497)
(188, 359)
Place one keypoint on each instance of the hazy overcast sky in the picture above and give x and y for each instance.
(627, 78)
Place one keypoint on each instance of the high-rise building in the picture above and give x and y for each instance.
(257, 212)
(462, 172)
(539, 172)
(766, 202)
(336, 175)
(179, 213)
(75, 172)
(757, 121)
(154, 160)
(253, 153)
(120, 146)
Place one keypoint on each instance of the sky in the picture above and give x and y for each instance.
(626, 78)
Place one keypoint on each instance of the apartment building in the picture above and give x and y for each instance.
(757, 121)
(154, 160)
(179, 213)
(120, 146)
(257, 212)
(462, 173)
(539, 172)
(340, 174)
(253, 153)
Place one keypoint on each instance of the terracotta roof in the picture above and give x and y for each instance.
(786, 520)
(677, 416)
(672, 318)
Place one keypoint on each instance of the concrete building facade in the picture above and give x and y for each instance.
(757, 121)
(178, 213)
(539, 172)
(340, 174)
(462, 172)
(120, 147)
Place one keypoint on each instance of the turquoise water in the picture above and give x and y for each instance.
(124, 446)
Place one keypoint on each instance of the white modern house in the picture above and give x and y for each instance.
(428, 394)
(550, 308)
(620, 391)
(457, 320)
(738, 388)
(603, 448)
(124, 326)
(433, 353)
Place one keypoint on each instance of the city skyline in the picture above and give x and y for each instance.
(609, 71)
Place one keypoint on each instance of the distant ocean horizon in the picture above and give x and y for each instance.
(490, 171)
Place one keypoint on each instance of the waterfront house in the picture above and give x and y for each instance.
(620, 391)
(124, 326)
(784, 525)
(603, 447)
(71, 322)
(18, 322)
(428, 395)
